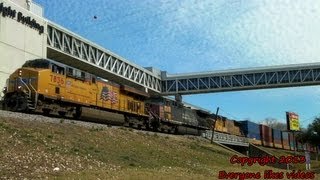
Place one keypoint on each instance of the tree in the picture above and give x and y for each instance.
(315, 126)
(311, 135)
(275, 124)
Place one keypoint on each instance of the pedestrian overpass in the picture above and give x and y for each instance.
(242, 79)
(70, 48)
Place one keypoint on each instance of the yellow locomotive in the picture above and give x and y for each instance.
(50, 87)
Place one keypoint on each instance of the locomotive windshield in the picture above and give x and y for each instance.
(38, 63)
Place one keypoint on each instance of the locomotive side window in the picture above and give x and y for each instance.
(76, 73)
(93, 79)
(69, 71)
(83, 75)
(57, 69)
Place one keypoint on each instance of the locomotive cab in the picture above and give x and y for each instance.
(22, 86)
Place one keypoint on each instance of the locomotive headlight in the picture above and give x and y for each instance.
(20, 72)
(4, 90)
(19, 87)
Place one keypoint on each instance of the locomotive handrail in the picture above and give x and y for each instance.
(36, 95)
(29, 91)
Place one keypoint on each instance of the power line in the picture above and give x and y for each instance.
(229, 114)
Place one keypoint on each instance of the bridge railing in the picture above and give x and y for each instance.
(226, 138)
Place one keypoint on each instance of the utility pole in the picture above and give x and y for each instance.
(214, 125)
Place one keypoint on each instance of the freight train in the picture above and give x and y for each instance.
(261, 135)
(49, 87)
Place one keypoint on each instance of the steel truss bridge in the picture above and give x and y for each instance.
(242, 79)
(74, 50)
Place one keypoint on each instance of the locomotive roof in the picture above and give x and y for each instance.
(39, 61)
(188, 105)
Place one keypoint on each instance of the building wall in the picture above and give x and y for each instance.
(19, 42)
(22, 3)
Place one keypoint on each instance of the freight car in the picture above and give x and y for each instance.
(263, 135)
(228, 126)
(49, 87)
(251, 130)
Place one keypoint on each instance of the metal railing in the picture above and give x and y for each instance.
(29, 87)
(226, 138)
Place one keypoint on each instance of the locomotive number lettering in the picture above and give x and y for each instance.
(57, 79)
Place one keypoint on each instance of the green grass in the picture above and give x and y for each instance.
(280, 152)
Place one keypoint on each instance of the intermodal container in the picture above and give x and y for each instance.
(220, 125)
(276, 138)
(291, 141)
(300, 146)
(266, 135)
(229, 125)
(251, 130)
(285, 140)
(233, 127)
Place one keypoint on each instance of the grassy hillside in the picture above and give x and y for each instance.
(35, 148)
(278, 152)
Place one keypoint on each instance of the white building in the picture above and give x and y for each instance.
(23, 35)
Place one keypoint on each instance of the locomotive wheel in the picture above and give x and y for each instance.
(12, 103)
(62, 113)
(78, 112)
(46, 112)
(4, 104)
(16, 102)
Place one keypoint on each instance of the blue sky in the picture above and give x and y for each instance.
(194, 36)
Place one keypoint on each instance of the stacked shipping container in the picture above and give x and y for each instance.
(252, 131)
(228, 126)
(266, 135)
(220, 125)
(276, 138)
(233, 127)
(291, 141)
(285, 140)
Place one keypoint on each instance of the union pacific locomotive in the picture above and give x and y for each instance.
(49, 87)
